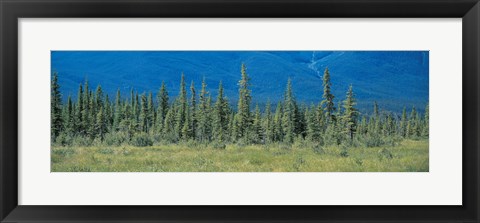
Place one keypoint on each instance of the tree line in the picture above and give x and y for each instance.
(142, 120)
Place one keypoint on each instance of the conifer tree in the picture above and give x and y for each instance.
(277, 121)
(92, 116)
(321, 118)
(231, 126)
(143, 113)
(289, 117)
(377, 119)
(56, 108)
(100, 125)
(108, 112)
(68, 117)
(328, 97)
(117, 117)
(162, 101)
(150, 112)
(363, 127)
(203, 113)
(257, 126)
(98, 98)
(220, 116)
(126, 124)
(403, 123)
(136, 112)
(182, 106)
(79, 126)
(209, 126)
(411, 128)
(169, 124)
(351, 114)
(193, 108)
(86, 109)
(268, 126)
(426, 128)
(313, 125)
(389, 125)
(187, 128)
(300, 120)
(243, 119)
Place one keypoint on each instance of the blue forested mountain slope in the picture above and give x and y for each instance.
(392, 78)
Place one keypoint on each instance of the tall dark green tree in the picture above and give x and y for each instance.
(143, 113)
(350, 115)
(56, 108)
(403, 123)
(182, 106)
(203, 114)
(328, 97)
(220, 116)
(411, 126)
(426, 127)
(269, 126)
(243, 117)
(257, 130)
(118, 116)
(162, 101)
(150, 112)
(69, 117)
(100, 124)
(289, 117)
(277, 123)
(313, 125)
(80, 123)
(193, 108)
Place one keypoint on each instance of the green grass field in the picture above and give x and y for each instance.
(408, 156)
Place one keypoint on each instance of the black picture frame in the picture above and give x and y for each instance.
(11, 11)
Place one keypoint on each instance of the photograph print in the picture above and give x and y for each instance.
(239, 111)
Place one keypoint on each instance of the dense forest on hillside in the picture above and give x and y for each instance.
(95, 118)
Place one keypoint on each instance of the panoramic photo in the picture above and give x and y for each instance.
(239, 111)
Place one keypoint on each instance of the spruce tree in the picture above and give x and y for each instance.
(117, 118)
(168, 125)
(187, 128)
(403, 123)
(363, 127)
(56, 108)
(257, 126)
(411, 126)
(100, 125)
(351, 114)
(193, 108)
(289, 118)
(86, 110)
(150, 112)
(108, 112)
(426, 128)
(203, 110)
(143, 113)
(162, 101)
(182, 106)
(377, 119)
(209, 126)
(68, 117)
(277, 122)
(243, 117)
(220, 116)
(328, 97)
(313, 125)
(80, 126)
(268, 126)
(92, 116)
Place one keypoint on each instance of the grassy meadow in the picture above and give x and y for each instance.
(407, 156)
